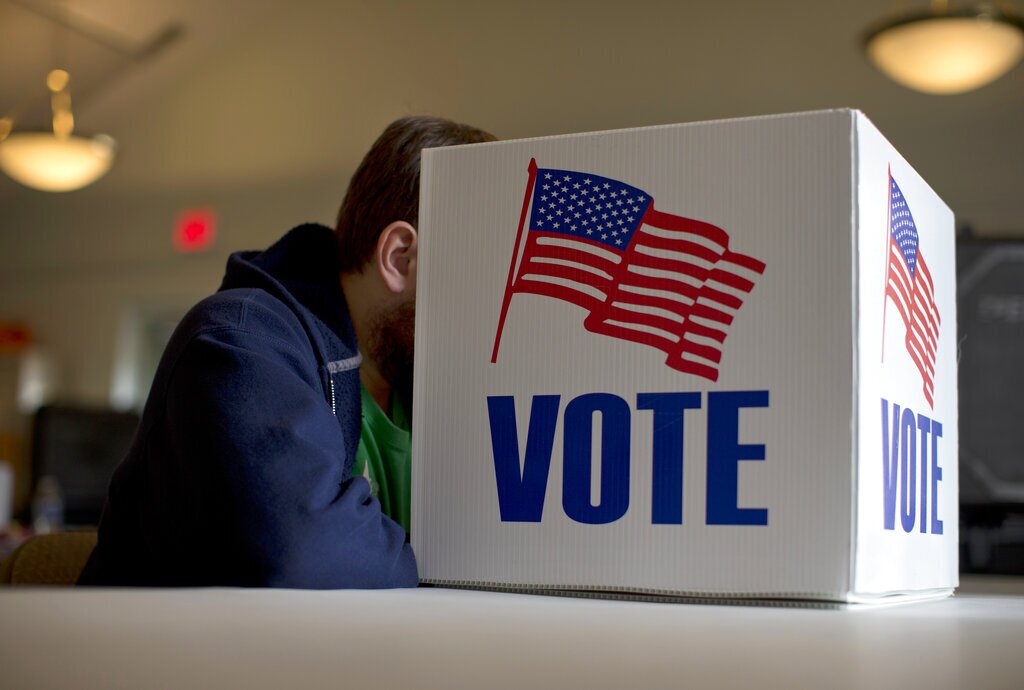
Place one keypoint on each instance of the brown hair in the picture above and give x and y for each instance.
(386, 185)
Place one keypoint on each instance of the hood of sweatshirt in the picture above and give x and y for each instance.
(301, 270)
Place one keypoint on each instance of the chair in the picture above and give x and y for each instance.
(48, 559)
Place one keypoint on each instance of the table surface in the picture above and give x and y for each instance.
(442, 638)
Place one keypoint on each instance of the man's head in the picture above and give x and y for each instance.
(377, 240)
(386, 186)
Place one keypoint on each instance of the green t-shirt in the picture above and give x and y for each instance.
(384, 456)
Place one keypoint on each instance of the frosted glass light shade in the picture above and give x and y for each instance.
(43, 161)
(945, 54)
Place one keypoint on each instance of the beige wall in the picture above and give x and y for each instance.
(77, 279)
(267, 126)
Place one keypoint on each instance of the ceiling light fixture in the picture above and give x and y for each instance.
(947, 51)
(57, 161)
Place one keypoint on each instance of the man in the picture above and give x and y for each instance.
(248, 466)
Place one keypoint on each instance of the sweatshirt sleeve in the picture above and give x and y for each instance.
(261, 460)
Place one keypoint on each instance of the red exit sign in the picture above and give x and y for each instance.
(195, 230)
(14, 337)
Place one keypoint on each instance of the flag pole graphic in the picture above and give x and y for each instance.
(888, 253)
(515, 258)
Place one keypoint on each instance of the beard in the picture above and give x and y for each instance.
(390, 345)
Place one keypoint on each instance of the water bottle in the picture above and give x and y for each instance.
(47, 506)
(6, 494)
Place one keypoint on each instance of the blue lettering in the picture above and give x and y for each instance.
(667, 480)
(902, 450)
(890, 463)
(924, 425)
(578, 458)
(936, 478)
(521, 494)
(908, 475)
(522, 479)
(724, 455)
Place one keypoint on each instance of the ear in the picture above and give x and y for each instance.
(396, 256)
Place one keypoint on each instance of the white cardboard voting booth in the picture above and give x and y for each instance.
(710, 360)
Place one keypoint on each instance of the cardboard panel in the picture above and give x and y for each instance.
(780, 189)
(907, 517)
(558, 448)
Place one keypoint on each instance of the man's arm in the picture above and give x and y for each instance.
(248, 429)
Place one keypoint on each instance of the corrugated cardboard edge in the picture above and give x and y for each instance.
(671, 125)
(814, 600)
(650, 598)
(855, 420)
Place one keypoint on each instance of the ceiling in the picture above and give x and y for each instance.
(103, 43)
(253, 92)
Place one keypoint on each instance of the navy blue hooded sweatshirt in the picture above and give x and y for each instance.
(240, 472)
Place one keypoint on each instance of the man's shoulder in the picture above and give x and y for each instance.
(248, 317)
(245, 309)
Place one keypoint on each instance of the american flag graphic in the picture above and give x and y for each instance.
(643, 275)
(909, 285)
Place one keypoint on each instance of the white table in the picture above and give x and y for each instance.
(438, 638)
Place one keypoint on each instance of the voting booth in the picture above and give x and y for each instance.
(702, 360)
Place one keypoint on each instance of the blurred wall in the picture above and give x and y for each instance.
(78, 279)
(267, 125)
